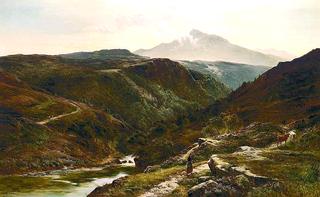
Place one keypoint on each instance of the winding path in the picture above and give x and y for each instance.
(46, 121)
(168, 186)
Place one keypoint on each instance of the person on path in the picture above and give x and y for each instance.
(189, 165)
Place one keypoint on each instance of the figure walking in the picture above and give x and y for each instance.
(189, 165)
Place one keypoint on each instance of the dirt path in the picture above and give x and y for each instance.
(167, 187)
(46, 121)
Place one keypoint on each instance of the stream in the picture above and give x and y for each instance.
(64, 183)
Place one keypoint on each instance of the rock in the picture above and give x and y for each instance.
(151, 168)
(242, 182)
(115, 161)
(218, 167)
(204, 179)
(140, 163)
(200, 189)
(212, 165)
(260, 180)
(117, 182)
(201, 141)
(214, 189)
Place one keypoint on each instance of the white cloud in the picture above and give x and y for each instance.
(55, 26)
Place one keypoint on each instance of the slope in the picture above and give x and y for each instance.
(231, 74)
(288, 93)
(202, 46)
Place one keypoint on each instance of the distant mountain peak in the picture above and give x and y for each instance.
(197, 34)
(209, 47)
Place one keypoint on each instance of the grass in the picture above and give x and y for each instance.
(139, 183)
(188, 183)
(298, 172)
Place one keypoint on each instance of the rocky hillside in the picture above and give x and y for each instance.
(231, 74)
(95, 108)
(262, 141)
(202, 46)
(288, 93)
(40, 131)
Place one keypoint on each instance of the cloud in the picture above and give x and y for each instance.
(51, 26)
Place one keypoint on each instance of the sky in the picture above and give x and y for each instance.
(62, 26)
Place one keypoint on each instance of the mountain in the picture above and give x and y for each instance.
(112, 54)
(231, 74)
(262, 141)
(202, 46)
(96, 109)
(287, 93)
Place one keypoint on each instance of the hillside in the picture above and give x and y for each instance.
(112, 54)
(242, 150)
(30, 143)
(231, 74)
(287, 93)
(202, 46)
(108, 107)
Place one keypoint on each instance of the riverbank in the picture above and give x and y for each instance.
(66, 182)
(62, 183)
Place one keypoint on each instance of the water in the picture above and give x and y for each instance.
(63, 183)
(128, 161)
(53, 186)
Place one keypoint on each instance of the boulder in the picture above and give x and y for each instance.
(204, 179)
(214, 189)
(140, 163)
(218, 167)
(242, 182)
(200, 189)
(151, 168)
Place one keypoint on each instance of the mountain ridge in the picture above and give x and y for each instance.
(286, 93)
(208, 47)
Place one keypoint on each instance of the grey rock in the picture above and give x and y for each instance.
(242, 182)
(200, 189)
(151, 168)
(204, 179)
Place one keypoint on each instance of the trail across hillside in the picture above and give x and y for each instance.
(172, 183)
(168, 186)
(46, 121)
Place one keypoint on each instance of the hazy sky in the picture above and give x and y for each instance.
(59, 26)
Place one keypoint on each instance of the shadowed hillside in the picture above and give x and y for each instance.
(287, 93)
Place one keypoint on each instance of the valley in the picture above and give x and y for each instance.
(170, 98)
(112, 123)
